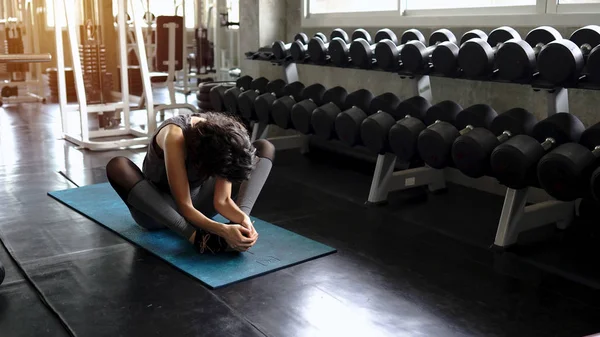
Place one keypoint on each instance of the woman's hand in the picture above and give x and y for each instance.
(249, 224)
(239, 237)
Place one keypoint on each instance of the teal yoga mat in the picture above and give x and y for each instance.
(275, 249)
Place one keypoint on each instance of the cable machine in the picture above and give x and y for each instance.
(91, 78)
(23, 85)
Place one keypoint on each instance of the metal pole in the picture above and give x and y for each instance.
(60, 65)
(122, 26)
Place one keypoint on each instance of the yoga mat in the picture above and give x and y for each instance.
(276, 248)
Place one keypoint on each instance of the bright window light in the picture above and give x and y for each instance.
(347, 6)
(50, 15)
(439, 4)
(564, 2)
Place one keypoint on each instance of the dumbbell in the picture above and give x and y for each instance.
(565, 172)
(415, 55)
(281, 50)
(347, 124)
(302, 111)
(514, 162)
(476, 57)
(471, 151)
(375, 129)
(242, 84)
(323, 118)
(518, 59)
(563, 60)
(299, 50)
(435, 142)
(445, 57)
(264, 103)
(282, 107)
(361, 50)
(319, 49)
(247, 98)
(404, 134)
(217, 96)
(339, 49)
(387, 51)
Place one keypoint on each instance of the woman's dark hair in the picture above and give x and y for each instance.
(221, 147)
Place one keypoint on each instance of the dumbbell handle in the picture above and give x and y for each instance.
(596, 151)
(466, 129)
(548, 143)
(504, 136)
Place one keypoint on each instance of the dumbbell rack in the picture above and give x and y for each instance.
(516, 216)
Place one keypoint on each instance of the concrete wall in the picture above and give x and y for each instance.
(583, 103)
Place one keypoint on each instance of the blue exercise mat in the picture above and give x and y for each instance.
(275, 249)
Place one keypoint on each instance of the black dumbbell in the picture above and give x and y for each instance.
(435, 142)
(517, 59)
(323, 118)
(404, 134)
(247, 98)
(281, 50)
(387, 52)
(361, 50)
(347, 124)
(476, 57)
(445, 57)
(264, 103)
(339, 49)
(217, 96)
(302, 111)
(471, 152)
(242, 84)
(565, 172)
(375, 129)
(563, 60)
(318, 50)
(416, 56)
(595, 184)
(299, 50)
(514, 162)
(282, 107)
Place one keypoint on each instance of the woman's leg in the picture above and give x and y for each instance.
(250, 189)
(149, 207)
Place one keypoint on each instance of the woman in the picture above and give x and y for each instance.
(195, 166)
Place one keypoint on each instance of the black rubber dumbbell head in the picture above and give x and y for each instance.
(347, 124)
(471, 151)
(435, 142)
(217, 97)
(445, 57)
(281, 50)
(258, 87)
(264, 103)
(244, 82)
(282, 107)
(362, 50)
(302, 112)
(404, 134)
(374, 130)
(415, 55)
(517, 59)
(339, 49)
(387, 51)
(323, 118)
(318, 49)
(476, 56)
(299, 50)
(565, 172)
(563, 60)
(514, 162)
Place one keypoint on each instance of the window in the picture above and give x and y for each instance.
(347, 6)
(50, 14)
(449, 13)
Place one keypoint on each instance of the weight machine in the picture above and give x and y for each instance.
(24, 85)
(84, 83)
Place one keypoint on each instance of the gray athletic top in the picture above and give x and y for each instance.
(154, 167)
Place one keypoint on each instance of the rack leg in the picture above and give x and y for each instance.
(384, 169)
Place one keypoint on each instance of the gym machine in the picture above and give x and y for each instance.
(24, 85)
(91, 139)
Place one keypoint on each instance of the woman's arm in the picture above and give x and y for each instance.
(173, 145)
(225, 205)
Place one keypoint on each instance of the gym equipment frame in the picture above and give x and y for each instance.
(83, 139)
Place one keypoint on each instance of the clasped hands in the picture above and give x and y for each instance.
(241, 236)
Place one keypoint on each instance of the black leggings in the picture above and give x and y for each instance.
(153, 209)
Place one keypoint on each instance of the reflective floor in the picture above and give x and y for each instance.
(413, 267)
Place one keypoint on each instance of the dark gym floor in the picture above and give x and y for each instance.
(409, 268)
